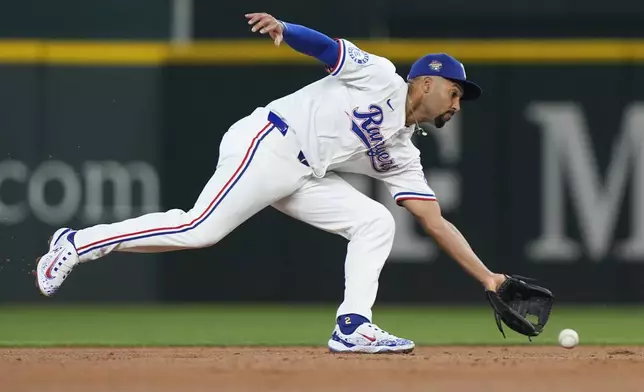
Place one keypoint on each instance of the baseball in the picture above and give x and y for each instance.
(568, 338)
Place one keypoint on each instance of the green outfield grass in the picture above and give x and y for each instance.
(292, 325)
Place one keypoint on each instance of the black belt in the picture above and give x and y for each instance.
(283, 128)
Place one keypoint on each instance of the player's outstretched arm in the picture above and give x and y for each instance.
(429, 215)
(300, 38)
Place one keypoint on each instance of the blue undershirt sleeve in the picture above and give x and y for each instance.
(312, 43)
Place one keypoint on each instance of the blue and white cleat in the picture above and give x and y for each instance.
(54, 267)
(370, 339)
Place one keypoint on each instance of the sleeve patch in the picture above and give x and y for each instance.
(359, 56)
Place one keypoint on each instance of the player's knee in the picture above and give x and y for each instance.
(204, 239)
(200, 241)
(196, 236)
(386, 224)
(378, 222)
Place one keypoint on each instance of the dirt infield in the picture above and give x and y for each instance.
(532, 368)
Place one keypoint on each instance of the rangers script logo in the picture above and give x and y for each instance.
(366, 125)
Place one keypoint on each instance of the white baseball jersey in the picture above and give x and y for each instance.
(354, 121)
(350, 121)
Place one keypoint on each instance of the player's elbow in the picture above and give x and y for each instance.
(433, 224)
(428, 214)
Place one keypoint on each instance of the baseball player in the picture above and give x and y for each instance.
(358, 119)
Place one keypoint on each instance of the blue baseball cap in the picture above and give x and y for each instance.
(446, 66)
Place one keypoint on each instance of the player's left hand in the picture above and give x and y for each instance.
(265, 23)
(495, 281)
(517, 298)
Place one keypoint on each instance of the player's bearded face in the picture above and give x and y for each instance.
(443, 118)
(443, 102)
(440, 109)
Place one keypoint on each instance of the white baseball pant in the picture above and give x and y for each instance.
(259, 167)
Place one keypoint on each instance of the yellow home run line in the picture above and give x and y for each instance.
(262, 51)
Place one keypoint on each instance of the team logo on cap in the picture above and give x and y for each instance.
(359, 56)
(435, 65)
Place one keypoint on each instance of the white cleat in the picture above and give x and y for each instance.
(54, 267)
(368, 338)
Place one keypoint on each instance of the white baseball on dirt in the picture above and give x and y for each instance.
(568, 338)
